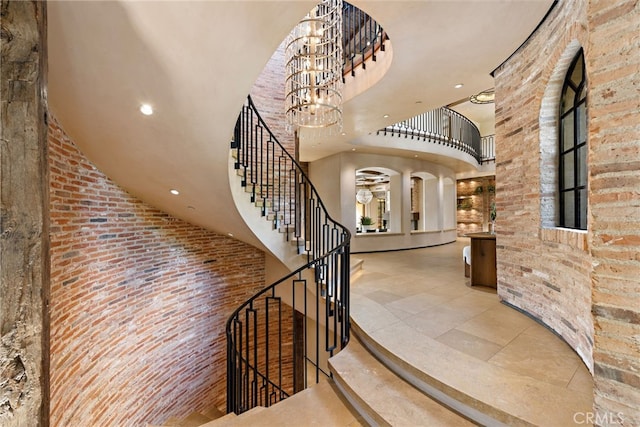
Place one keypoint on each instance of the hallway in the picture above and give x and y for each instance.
(418, 306)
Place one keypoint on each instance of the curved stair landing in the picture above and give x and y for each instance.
(421, 336)
(415, 311)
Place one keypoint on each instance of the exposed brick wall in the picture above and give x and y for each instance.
(546, 277)
(613, 62)
(268, 96)
(139, 301)
(583, 285)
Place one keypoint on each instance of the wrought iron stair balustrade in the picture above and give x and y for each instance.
(440, 126)
(362, 37)
(279, 340)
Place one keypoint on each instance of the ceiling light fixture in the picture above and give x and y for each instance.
(313, 86)
(146, 109)
(364, 196)
(386, 116)
(174, 192)
(485, 97)
(458, 86)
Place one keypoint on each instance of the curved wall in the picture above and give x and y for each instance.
(139, 301)
(542, 270)
(583, 285)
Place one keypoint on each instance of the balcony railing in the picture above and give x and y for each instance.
(488, 149)
(440, 126)
(278, 341)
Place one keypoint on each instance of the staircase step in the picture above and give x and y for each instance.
(195, 419)
(319, 405)
(356, 265)
(381, 397)
(213, 413)
(488, 394)
(232, 419)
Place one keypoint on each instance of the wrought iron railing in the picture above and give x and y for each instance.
(488, 149)
(279, 340)
(362, 37)
(441, 126)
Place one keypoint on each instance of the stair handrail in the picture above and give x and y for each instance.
(293, 204)
(362, 37)
(441, 126)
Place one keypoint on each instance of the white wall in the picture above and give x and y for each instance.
(335, 180)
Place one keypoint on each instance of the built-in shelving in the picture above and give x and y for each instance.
(474, 198)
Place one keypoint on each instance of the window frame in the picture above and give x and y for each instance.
(569, 151)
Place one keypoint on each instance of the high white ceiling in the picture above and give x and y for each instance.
(195, 62)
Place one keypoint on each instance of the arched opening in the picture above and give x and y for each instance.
(425, 203)
(378, 195)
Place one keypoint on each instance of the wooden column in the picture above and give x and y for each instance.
(24, 232)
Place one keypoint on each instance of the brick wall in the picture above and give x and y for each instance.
(583, 285)
(613, 62)
(268, 95)
(138, 301)
(539, 270)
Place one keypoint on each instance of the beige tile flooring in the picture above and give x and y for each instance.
(424, 291)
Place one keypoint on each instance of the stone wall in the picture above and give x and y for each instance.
(583, 285)
(613, 64)
(139, 301)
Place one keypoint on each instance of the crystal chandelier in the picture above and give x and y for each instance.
(314, 70)
(364, 196)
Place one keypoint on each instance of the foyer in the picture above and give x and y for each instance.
(419, 315)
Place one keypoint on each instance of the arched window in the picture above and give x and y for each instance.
(572, 164)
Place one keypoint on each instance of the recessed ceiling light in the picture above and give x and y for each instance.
(146, 109)
(230, 234)
(415, 155)
(458, 86)
(386, 116)
(343, 133)
(174, 192)
(353, 149)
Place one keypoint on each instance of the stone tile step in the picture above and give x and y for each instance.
(485, 393)
(319, 405)
(213, 413)
(195, 419)
(356, 265)
(381, 397)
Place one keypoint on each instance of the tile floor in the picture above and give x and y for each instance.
(424, 291)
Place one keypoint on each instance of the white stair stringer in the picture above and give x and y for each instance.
(277, 243)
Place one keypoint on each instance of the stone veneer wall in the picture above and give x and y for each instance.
(583, 285)
(139, 301)
(613, 67)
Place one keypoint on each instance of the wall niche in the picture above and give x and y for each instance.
(474, 197)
